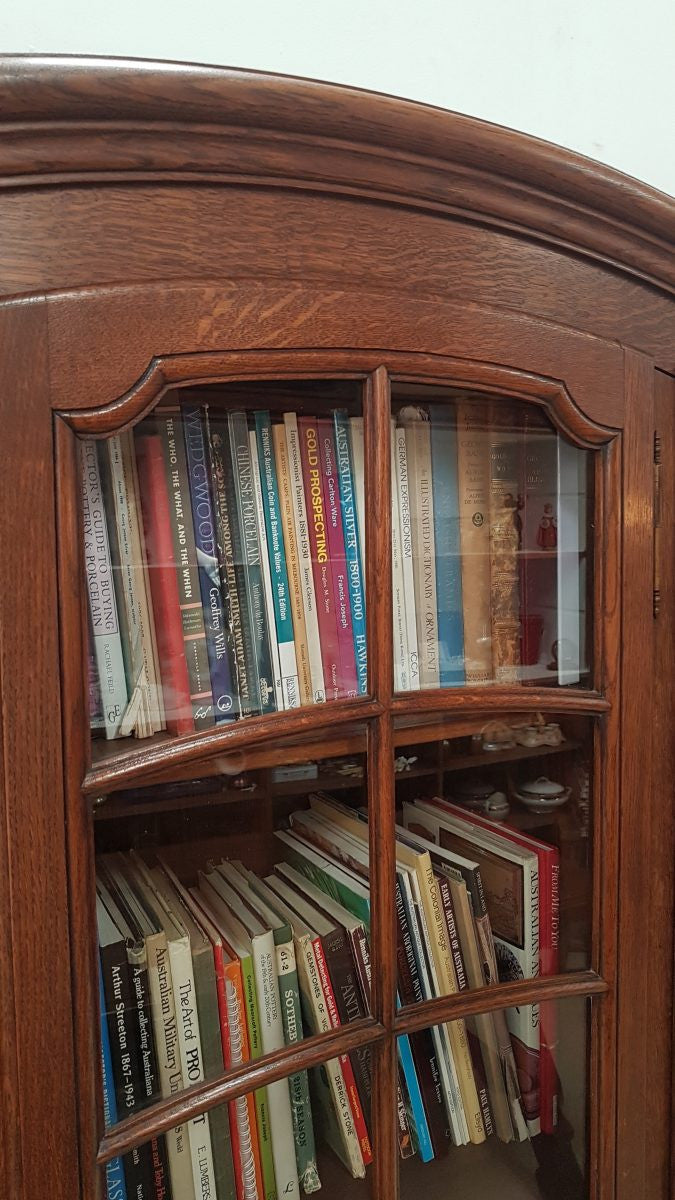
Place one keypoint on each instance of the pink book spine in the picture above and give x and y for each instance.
(348, 685)
(319, 548)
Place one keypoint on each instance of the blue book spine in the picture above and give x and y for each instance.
(114, 1170)
(283, 616)
(448, 555)
(417, 1115)
(350, 527)
(225, 702)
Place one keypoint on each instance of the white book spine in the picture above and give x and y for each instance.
(277, 671)
(278, 1096)
(124, 519)
(358, 461)
(405, 524)
(401, 651)
(101, 591)
(189, 1041)
(304, 556)
(134, 491)
(431, 987)
(168, 1059)
(418, 445)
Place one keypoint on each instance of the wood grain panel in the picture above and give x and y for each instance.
(37, 1028)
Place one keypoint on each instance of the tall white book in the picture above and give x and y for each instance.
(418, 445)
(101, 593)
(304, 556)
(401, 483)
(400, 634)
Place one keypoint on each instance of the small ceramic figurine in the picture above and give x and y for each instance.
(547, 533)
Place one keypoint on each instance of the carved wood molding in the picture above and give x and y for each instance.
(96, 120)
(185, 370)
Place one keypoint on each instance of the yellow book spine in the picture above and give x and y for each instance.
(293, 564)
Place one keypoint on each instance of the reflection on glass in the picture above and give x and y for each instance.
(224, 553)
(490, 547)
(498, 822)
(526, 1139)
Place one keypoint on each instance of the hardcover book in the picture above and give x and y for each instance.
(415, 420)
(447, 546)
(473, 467)
(318, 540)
(352, 541)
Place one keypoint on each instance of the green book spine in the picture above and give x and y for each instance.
(261, 1105)
(298, 1084)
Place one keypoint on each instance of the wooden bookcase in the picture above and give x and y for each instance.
(176, 227)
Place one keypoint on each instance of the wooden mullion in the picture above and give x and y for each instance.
(191, 1102)
(502, 995)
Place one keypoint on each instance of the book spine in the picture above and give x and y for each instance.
(217, 640)
(446, 540)
(231, 565)
(421, 1043)
(114, 1169)
(164, 585)
(272, 1036)
(339, 1108)
(261, 1094)
(189, 1042)
(358, 460)
(298, 1083)
(352, 542)
(226, 1043)
(549, 964)
(418, 446)
(345, 1061)
(245, 1110)
(95, 707)
(192, 610)
(101, 593)
(404, 531)
(130, 466)
(250, 546)
(170, 1073)
(473, 471)
(318, 539)
(293, 564)
(462, 985)
(337, 559)
(206, 988)
(125, 1061)
(304, 556)
(504, 546)
(400, 602)
(283, 616)
(116, 510)
(267, 562)
(341, 955)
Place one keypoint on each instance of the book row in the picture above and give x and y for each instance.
(488, 513)
(224, 557)
(201, 979)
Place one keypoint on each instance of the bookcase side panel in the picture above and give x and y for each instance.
(36, 1029)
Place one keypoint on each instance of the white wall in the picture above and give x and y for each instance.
(595, 75)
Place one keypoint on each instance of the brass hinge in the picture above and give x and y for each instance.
(657, 525)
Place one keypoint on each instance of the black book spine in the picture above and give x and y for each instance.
(150, 1087)
(421, 1042)
(125, 1055)
(232, 573)
(350, 1006)
(169, 426)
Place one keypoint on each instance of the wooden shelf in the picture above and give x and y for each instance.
(516, 754)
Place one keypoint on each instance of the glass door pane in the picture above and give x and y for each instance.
(496, 1127)
(492, 553)
(224, 554)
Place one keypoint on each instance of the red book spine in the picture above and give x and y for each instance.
(347, 1071)
(164, 585)
(219, 965)
(348, 685)
(319, 548)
